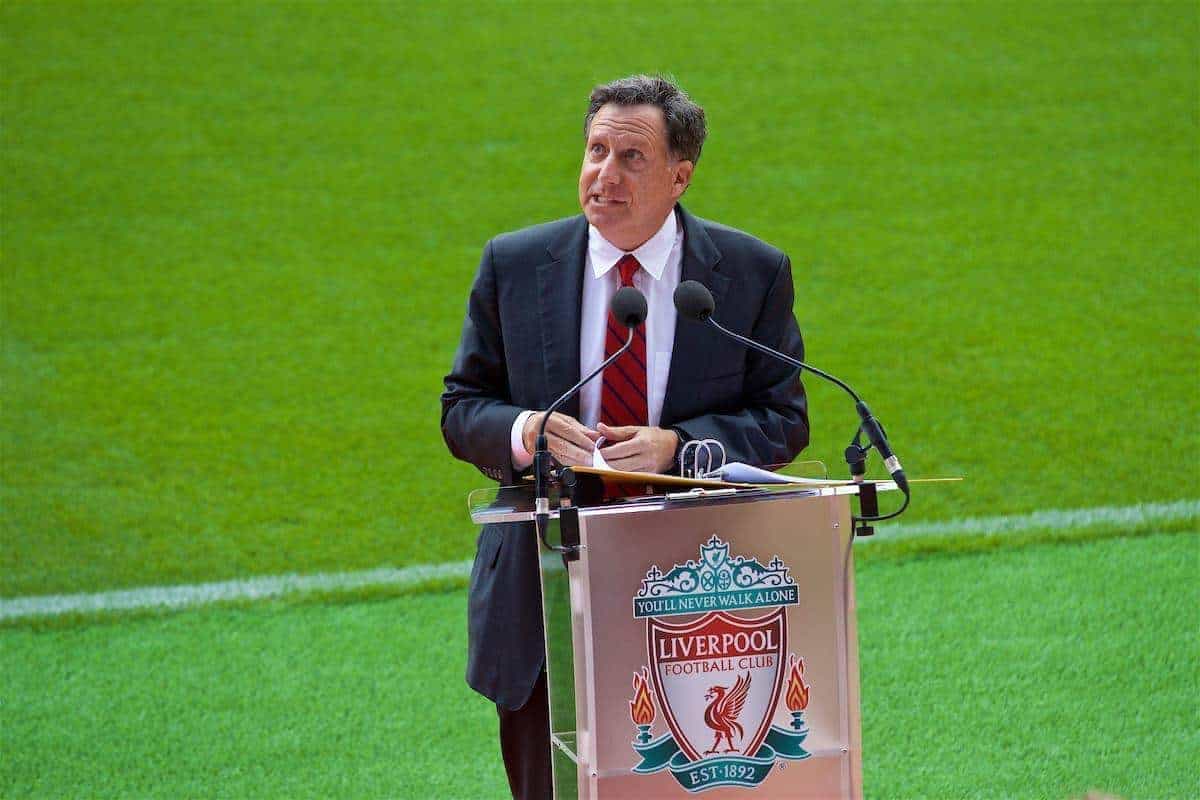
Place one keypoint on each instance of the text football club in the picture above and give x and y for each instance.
(718, 677)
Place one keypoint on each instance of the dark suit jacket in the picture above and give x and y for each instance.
(520, 350)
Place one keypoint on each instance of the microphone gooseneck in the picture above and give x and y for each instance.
(694, 301)
(629, 307)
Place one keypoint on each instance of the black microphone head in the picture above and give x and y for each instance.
(694, 301)
(629, 307)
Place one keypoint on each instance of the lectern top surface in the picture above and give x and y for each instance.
(515, 503)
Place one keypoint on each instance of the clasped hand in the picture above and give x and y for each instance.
(630, 448)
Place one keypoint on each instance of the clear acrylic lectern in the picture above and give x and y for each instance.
(703, 643)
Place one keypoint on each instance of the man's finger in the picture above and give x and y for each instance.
(651, 450)
(626, 449)
(572, 431)
(582, 431)
(581, 452)
(639, 462)
(568, 454)
(571, 422)
(618, 433)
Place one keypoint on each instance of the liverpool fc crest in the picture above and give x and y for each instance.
(718, 675)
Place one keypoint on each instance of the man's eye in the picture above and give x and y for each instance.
(596, 150)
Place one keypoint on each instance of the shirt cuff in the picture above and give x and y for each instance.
(521, 458)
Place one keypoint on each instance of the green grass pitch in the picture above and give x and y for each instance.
(235, 245)
(237, 240)
(1034, 673)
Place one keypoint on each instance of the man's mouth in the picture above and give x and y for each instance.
(600, 200)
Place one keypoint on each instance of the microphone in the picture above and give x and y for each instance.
(694, 301)
(629, 308)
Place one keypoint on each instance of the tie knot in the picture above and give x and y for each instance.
(628, 265)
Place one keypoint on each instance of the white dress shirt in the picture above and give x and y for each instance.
(661, 258)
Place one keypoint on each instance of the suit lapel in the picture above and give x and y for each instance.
(560, 297)
(688, 352)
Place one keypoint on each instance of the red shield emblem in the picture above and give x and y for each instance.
(718, 679)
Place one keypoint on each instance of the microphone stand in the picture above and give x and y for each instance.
(856, 453)
(542, 458)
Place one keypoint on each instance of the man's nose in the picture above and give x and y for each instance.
(609, 173)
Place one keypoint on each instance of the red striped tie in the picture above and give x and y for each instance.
(623, 396)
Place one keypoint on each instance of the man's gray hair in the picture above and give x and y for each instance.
(685, 120)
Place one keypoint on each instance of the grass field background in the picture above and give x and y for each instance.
(238, 239)
(1041, 673)
(235, 246)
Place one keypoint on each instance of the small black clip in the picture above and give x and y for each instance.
(868, 504)
(856, 456)
(568, 526)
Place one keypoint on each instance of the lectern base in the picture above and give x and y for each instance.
(705, 646)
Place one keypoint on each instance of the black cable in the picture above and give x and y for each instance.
(882, 517)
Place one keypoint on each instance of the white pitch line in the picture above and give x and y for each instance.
(199, 594)
(1143, 513)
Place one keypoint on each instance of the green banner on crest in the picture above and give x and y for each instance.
(724, 770)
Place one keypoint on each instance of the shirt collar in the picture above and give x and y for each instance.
(652, 255)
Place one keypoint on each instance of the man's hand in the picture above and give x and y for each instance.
(569, 440)
(636, 448)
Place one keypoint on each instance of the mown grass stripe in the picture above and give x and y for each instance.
(1072, 519)
(259, 588)
(275, 586)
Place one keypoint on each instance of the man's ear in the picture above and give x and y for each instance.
(682, 177)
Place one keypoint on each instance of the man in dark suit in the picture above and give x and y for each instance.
(536, 322)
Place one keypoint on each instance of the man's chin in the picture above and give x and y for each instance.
(606, 216)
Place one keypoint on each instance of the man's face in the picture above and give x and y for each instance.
(629, 181)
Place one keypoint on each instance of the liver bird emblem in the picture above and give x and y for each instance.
(723, 710)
